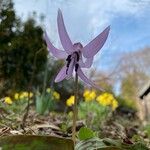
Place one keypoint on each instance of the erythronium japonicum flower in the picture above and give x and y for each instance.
(74, 53)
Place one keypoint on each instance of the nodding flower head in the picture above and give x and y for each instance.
(74, 53)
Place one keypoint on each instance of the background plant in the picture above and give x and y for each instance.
(94, 108)
(47, 101)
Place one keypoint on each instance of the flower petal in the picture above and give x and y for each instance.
(86, 80)
(64, 37)
(61, 75)
(96, 44)
(87, 64)
(56, 52)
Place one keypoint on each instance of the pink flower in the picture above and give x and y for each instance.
(74, 52)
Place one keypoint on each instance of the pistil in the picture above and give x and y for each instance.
(76, 56)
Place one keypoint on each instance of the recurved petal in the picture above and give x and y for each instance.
(86, 80)
(61, 75)
(56, 52)
(64, 37)
(96, 44)
(87, 64)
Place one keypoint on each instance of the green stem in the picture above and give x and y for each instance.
(75, 109)
(45, 78)
(29, 89)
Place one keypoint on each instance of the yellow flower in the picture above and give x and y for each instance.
(70, 101)
(8, 100)
(16, 96)
(114, 104)
(89, 95)
(56, 95)
(21, 96)
(25, 95)
(93, 95)
(86, 93)
(30, 94)
(107, 99)
(48, 90)
(104, 99)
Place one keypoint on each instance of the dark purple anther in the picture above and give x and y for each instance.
(76, 67)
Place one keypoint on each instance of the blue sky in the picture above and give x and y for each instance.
(129, 21)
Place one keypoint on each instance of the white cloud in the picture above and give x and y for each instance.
(100, 13)
(87, 18)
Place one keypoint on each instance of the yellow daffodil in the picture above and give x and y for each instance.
(30, 94)
(92, 95)
(48, 90)
(107, 99)
(25, 95)
(89, 95)
(21, 96)
(86, 93)
(114, 104)
(70, 101)
(8, 100)
(16, 96)
(56, 95)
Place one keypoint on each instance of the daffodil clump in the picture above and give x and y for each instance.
(8, 100)
(55, 95)
(18, 96)
(105, 99)
(89, 95)
(23, 95)
(70, 101)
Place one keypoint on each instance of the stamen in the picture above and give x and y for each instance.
(68, 63)
(76, 67)
(68, 58)
(67, 70)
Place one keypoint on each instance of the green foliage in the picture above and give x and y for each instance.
(108, 144)
(41, 103)
(18, 106)
(147, 130)
(45, 102)
(90, 144)
(129, 103)
(93, 112)
(19, 43)
(139, 146)
(24, 142)
(128, 87)
(89, 141)
(85, 133)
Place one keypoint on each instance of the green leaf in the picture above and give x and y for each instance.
(30, 142)
(107, 144)
(42, 104)
(94, 144)
(139, 146)
(112, 142)
(86, 133)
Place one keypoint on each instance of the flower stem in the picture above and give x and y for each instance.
(75, 109)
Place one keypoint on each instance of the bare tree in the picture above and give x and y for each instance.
(134, 71)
